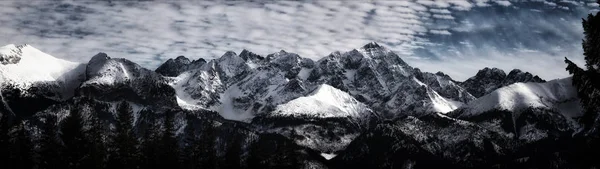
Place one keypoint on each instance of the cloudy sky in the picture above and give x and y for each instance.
(457, 37)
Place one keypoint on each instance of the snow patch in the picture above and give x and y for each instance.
(328, 156)
(304, 73)
(325, 101)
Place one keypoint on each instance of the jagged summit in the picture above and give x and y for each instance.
(516, 75)
(247, 55)
(372, 45)
(491, 72)
(174, 67)
(182, 59)
(489, 79)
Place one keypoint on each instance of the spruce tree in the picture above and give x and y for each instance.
(4, 138)
(97, 147)
(587, 81)
(21, 148)
(125, 153)
(234, 152)
(149, 147)
(207, 146)
(168, 143)
(191, 146)
(75, 143)
(50, 153)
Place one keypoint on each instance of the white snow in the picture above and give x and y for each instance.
(439, 103)
(350, 73)
(557, 94)
(109, 71)
(328, 156)
(325, 101)
(184, 100)
(36, 66)
(304, 73)
(252, 65)
(227, 108)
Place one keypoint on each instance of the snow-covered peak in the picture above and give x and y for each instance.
(557, 94)
(104, 70)
(325, 101)
(372, 45)
(230, 64)
(251, 57)
(31, 66)
(174, 67)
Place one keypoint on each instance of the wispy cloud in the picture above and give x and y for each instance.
(430, 34)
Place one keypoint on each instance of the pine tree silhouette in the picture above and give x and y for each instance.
(21, 148)
(75, 143)
(168, 143)
(50, 147)
(149, 146)
(125, 154)
(191, 146)
(587, 81)
(97, 144)
(232, 156)
(207, 145)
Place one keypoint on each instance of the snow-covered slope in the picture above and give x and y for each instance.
(25, 66)
(557, 95)
(325, 101)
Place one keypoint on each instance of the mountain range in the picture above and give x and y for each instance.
(365, 107)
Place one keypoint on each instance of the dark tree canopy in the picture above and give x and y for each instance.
(587, 81)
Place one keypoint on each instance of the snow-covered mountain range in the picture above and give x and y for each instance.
(323, 105)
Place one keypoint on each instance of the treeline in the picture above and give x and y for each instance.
(85, 141)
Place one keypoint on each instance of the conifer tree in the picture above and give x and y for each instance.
(191, 146)
(4, 138)
(587, 81)
(125, 154)
(50, 146)
(207, 145)
(75, 143)
(169, 148)
(149, 147)
(21, 148)
(97, 147)
(234, 152)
